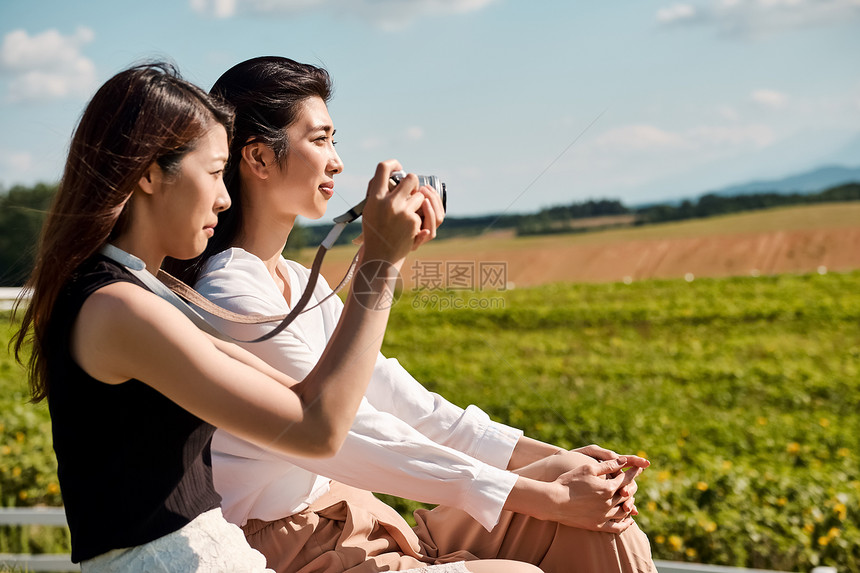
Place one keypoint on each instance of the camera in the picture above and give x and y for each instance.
(430, 181)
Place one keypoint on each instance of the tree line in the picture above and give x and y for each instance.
(22, 210)
(712, 204)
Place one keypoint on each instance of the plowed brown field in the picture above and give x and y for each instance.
(788, 240)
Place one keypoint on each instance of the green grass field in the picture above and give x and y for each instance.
(743, 393)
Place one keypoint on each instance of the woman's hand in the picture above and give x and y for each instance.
(596, 495)
(585, 495)
(635, 466)
(432, 214)
(391, 224)
(592, 492)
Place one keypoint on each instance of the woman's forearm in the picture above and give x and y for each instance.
(332, 391)
(528, 451)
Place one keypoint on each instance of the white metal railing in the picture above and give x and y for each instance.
(8, 296)
(55, 516)
(679, 567)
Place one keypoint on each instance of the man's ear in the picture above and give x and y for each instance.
(258, 159)
(151, 179)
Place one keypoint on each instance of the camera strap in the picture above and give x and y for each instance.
(183, 296)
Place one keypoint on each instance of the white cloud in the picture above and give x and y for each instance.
(409, 134)
(388, 14)
(728, 112)
(638, 139)
(758, 18)
(16, 166)
(414, 133)
(675, 13)
(47, 65)
(216, 8)
(769, 98)
(371, 143)
(21, 162)
(721, 136)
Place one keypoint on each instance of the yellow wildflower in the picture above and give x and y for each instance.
(793, 448)
(690, 552)
(702, 486)
(840, 510)
(824, 422)
(675, 542)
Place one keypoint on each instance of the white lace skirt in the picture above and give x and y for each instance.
(458, 567)
(209, 544)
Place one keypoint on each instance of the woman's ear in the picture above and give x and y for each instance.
(258, 158)
(151, 179)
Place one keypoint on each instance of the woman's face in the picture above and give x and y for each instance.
(190, 200)
(307, 177)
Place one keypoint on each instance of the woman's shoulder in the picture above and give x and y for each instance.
(91, 276)
(232, 263)
(236, 273)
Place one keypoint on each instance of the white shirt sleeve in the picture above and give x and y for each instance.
(471, 431)
(415, 445)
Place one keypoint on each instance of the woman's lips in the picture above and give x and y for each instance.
(327, 190)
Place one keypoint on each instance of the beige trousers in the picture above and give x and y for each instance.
(351, 531)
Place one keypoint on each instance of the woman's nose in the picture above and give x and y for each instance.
(222, 201)
(335, 163)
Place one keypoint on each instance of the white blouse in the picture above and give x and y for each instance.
(405, 441)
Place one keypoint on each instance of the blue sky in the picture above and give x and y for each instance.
(518, 105)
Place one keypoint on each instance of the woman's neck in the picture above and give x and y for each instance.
(141, 249)
(265, 236)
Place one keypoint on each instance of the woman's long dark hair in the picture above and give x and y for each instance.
(143, 115)
(266, 94)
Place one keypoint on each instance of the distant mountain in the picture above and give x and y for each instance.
(809, 181)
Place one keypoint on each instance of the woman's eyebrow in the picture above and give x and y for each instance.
(323, 127)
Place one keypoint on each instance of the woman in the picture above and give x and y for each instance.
(134, 389)
(405, 440)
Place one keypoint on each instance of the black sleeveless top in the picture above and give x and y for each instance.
(133, 466)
